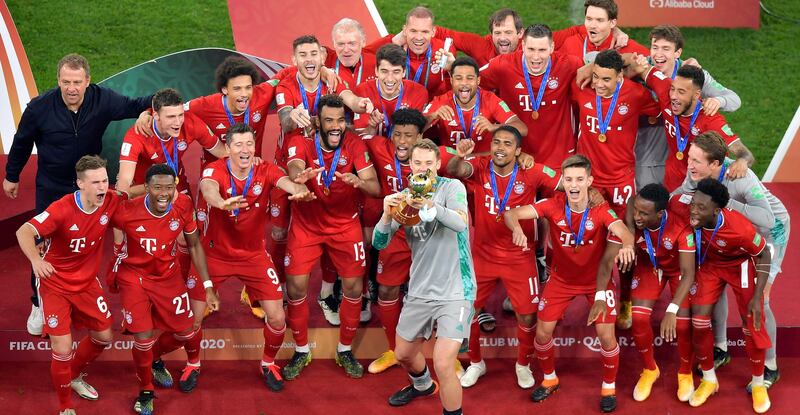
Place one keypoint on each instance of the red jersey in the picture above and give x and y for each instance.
(288, 95)
(613, 161)
(363, 71)
(381, 152)
(423, 69)
(328, 214)
(578, 45)
(675, 168)
(239, 237)
(676, 237)
(414, 96)
(577, 268)
(147, 151)
(151, 241)
(493, 241)
(451, 132)
(75, 240)
(551, 137)
(736, 241)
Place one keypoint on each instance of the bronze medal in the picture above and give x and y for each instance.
(602, 138)
(535, 115)
(679, 155)
(577, 247)
(497, 219)
(326, 191)
(177, 180)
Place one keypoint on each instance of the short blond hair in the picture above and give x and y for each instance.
(89, 162)
(420, 12)
(426, 144)
(73, 61)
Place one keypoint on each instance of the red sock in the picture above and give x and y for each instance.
(169, 342)
(192, 347)
(389, 313)
(273, 339)
(755, 354)
(685, 351)
(329, 274)
(61, 374)
(297, 319)
(474, 341)
(525, 336)
(610, 359)
(143, 360)
(88, 350)
(349, 314)
(643, 335)
(703, 339)
(625, 279)
(184, 261)
(546, 356)
(277, 250)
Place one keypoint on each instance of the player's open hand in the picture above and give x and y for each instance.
(483, 125)
(42, 269)
(304, 195)
(399, 39)
(525, 160)
(445, 113)
(350, 179)
(737, 169)
(519, 238)
(668, 324)
(257, 161)
(233, 203)
(143, 125)
(464, 148)
(331, 79)
(619, 39)
(711, 106)
(754, 311)
(10, 189)
(212, 301)
(300, 117)
(584, 75)
(692, 62)
(598, 311)
(392, 201)
(307, 174)
(625, 258)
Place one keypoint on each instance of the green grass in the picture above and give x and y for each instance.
(762, 66)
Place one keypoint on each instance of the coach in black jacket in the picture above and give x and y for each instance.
(65, 123)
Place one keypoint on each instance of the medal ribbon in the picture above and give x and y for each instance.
(683, 141)
(387, 124)
(327, 175)
(535, 104)
(418, 72)
(311, 111)
(233, 184)
(721, 176)
(501, 204)
(568, 213)
(605, 121)
(697, 236)
(399, 173)
(652, 253)
(360, 68)
(475, 112)
(230, 116)
(172, 162)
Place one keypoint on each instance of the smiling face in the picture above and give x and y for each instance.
(537, 52)
(664, 54)
(504, 149)
(403, 137)
(505, 36)
(93, 185)
(598, 25)
(576, 181)
(348, 44)
(702, 211)
(645, 214)
(698, 165)
(308, 59)
(332, 126)
(238, 92)
(465, 83)
(160, 189)
(419, 31)
(423, 160)
(604, 80)
(241, 150)
(73, 84)
(682, 95)
(390, 77)
(169, 120)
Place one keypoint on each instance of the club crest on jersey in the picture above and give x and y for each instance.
(435, 68)
(275, 211)
(191, 282)
(257, 189)
(519, 188)
(127, 316)
(257, 116)
(287, 260)
(668, 244)
(634, 283)
(589, 225)
(552, 83)
(380, 267)
(104, 219)
(174, 225)
(693, 289)
(695, 130)
(201, 215)
(343, 161)
(622, 109)
(181, 145)
(542, 303)
(721, 243)
(52, 321)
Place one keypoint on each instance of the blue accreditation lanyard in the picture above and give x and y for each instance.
(652, 253)
(501, 204)
(418, 72)
(311, 111)
(683, 141)
(475, 112)
(604, 122)
(579, 237)
(327, 174)
(387, 123)
(247, 183)
(172, 161)
(698, 238)
(360, 68)
(535, 104)
(399, 174)
(230, 116)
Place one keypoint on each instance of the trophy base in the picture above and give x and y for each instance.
(406, 215)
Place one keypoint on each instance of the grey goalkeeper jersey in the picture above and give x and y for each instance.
(441, 267)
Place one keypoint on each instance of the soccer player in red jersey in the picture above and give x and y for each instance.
(340, 165)
(236, 194)
(583, 257)
(388, 93)
(499, 184)
(152, 291)
(423, 50)
(535, 83)
(665, 250)
(468, 111)
(609, 121)
(348, 58)
(600, 21)
(66, 274)
(729, 252)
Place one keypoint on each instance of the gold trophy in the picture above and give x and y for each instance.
(420, 186)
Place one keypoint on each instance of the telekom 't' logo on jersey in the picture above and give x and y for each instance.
(148, 244)
(591, 122)
(77, 244)
(566, 239)
(525, 102)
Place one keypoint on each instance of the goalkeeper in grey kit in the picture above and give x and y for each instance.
(441, 288)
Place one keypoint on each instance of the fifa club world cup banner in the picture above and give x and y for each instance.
(690, 13)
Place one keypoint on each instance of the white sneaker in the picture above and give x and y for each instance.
(83, 389)
(474, 371)
(524, 376)
(68, 412)
(330, 309)
(35, 321)
(366, 311)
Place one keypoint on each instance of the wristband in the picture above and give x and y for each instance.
(208, 284)
(672, 308)
(600, 296)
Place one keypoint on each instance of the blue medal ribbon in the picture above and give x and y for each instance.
(418, 72)
(327, 175)
(475, 112)
(172, 162)
(311, 111)
(230, 116)
(721, 176)
(675, 68)
(538, 102)
(387, 122)
(247, 183)
(698, 238)
(360, 68)
(501, 204)
(652, 253)
(399, 173)
(568, 213)
(605, 121)
(683, 141)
